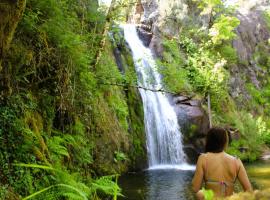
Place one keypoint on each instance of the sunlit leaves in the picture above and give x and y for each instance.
(208, 6)
(267, 17)
(223, 29)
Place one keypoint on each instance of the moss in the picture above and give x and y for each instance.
(33, 132)
(10, 15)
(137, 130)
(136, 114)
(109, 137)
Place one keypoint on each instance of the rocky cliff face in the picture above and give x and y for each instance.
(253, 34)
(159, 18)
(137, 151)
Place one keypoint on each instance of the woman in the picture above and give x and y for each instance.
(217, 169)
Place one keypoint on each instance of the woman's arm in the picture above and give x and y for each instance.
(243, 178)
(198, 176)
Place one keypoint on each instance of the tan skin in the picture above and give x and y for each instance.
(219, 167)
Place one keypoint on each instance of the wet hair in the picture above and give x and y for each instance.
(216, 140)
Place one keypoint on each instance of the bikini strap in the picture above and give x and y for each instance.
(205, 166)
(223, 187)
(237, 169)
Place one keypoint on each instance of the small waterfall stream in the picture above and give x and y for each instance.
(164, 138)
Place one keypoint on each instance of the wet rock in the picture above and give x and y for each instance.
(180, 99)
(192, 153)
(193, 121)
(145, 34)
(156, 46)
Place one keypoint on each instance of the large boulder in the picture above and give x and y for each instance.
(194, 124)
(145, 34)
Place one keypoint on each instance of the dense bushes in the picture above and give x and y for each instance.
(54, 112)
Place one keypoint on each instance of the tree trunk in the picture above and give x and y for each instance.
(104, 33)
(209, 110)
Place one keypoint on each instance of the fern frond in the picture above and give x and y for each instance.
(78, 192)
(38, 192)
(56, 145)
(107, 185)
(35, 166)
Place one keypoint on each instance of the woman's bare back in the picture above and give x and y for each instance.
(219, 172)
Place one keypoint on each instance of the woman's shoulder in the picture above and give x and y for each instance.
(202, 156)
(232, 157)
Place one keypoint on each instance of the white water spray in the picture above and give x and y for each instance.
(164, 138)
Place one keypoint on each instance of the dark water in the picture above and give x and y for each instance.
(175, 184)
(170, 184)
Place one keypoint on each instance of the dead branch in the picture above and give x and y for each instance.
(126, 86)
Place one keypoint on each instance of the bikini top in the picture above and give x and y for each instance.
(223, 184)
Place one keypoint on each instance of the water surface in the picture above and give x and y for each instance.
(259, 174)
(159, 184)
(175, 183)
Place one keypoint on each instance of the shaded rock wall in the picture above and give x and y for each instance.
(137, 137)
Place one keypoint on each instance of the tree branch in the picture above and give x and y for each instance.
(137, 86)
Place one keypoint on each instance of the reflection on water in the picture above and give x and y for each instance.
(158, 185)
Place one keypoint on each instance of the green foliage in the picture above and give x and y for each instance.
(253, 133)
(206, 72)
(209, 6)
(119, 156)
(267, 18)
(68, 186)
(222, 29)
(106, 185)
(171, 67)
(262, 55)
(198, 60)
(50, 110)
(3, 191)
(260, 98)
(208, 194)
(228, 53)
(263, 130)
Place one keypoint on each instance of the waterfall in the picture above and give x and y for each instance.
(164, 138)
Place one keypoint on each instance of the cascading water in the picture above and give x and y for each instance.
(164, 140)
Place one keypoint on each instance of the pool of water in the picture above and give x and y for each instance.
(158, 184)
(175, 183)
(259, 174)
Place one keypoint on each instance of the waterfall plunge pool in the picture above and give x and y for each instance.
(158, 184)
(165, 183)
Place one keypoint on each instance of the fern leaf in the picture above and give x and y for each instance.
(35, 166)
(80, 193)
